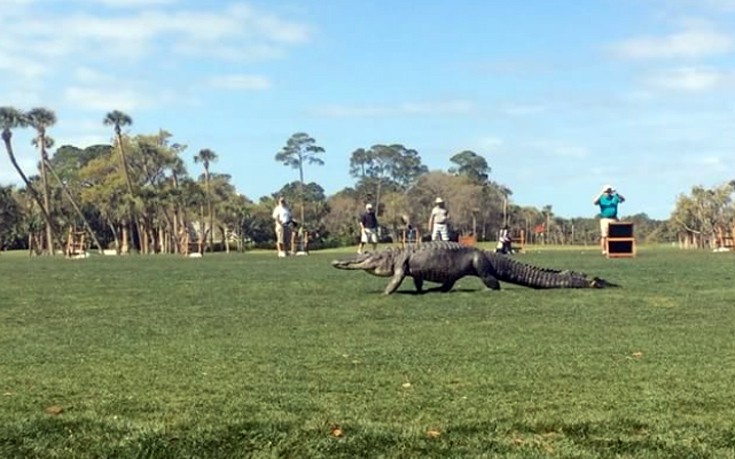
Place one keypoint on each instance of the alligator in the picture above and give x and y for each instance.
(446, 262)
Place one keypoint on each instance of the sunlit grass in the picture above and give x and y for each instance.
(248, 355)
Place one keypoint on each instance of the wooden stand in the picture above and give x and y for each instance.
(620, 240)
(188, 247)
(725, 241)
(75, 244)
(468, 241)
(300, 242)
(410, 237)
(518, 242)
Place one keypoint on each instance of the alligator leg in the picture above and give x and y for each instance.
(490, 282)
(447, 286)
(395, 282)
(399, 273)
(484, 270)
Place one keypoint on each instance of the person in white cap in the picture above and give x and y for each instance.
(438, 221)
(368, 229)
(608, 200)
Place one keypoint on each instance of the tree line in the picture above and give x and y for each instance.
(136, 194)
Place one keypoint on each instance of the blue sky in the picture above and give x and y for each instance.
(560, 96)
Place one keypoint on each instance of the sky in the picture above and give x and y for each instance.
(560, 96)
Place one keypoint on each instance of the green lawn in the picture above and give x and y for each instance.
(248, 355)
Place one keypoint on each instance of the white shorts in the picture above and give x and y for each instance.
(369, 235)
(440, 232)
(605, 225)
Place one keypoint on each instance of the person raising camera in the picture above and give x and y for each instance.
(608, 200)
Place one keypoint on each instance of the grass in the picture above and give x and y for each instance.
(248, 355)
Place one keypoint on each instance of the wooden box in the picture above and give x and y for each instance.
(620, 240)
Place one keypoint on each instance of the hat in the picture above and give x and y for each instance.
(438, 201)
(608, 187)
(368, 206)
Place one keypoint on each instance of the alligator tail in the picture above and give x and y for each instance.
(510, 270)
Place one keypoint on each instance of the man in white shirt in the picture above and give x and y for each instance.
(282, 217)
(438, 221)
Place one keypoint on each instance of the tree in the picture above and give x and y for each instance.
(300, 149)
(463, 198)
(314, 201)
(11, 118)
(705, 215)
(40, 119)
(118, 119)
(471, 165)
(386, 166)
(341, 224)
(206, 157)
(405, 166)
(68, 160)
(178, 169)
(360, 162)
(105, 190)
(10, 217)
(548, 213)
(74, 204)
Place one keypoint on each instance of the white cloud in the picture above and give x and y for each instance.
(692, 79)
(718, 5)
(33, 35)
(19, 65)
(451, 107)
(490, 143)
(570, 151)
(691, 43)
(637, 96)
(240, 82)
(84, 140)
(523, 110)
(133, 3)
(99, 99)
(20, 98)
(712, 161)
(89, 75)
(558, 149)
(93, 57)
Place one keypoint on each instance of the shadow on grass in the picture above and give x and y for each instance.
(438, 290)
(89, 438)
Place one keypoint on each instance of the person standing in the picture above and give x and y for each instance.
(283, 219)
(608, 200)
(504, 241)
(368, 229)
(439, 221)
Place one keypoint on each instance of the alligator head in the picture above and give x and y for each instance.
(378, 263)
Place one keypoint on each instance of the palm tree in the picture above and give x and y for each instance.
(118, 119)
(40, 119)
(11, 118)
(178, 169)
(206, 157)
